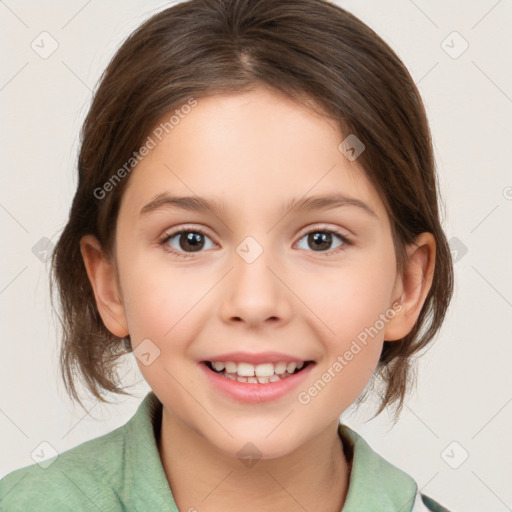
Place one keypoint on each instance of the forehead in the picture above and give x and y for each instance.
(258, 149)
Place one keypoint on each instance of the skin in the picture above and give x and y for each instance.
(254, 151)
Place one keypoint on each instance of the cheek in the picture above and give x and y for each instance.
(164, 304)
(157, 294)
(151, 308)
(349, 300)
(352, 333)
(159, 309)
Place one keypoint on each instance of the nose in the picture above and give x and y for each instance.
(256, 292)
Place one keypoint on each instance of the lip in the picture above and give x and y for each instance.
(256, 393)
(256, 358)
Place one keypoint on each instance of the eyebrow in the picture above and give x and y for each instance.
(200, 204)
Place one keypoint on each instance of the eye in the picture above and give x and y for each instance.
(185, 242)
(188, 241)
(321, 239)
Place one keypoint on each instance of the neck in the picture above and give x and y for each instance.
(313, 477)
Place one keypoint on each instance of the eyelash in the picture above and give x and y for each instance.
(168, 236)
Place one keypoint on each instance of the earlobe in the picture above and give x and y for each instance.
(102, 276)
(414, 286)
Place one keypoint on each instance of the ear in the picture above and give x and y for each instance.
(102, 275)
(412, 288)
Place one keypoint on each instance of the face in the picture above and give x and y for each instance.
(253, 279)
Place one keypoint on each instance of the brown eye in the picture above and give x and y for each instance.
(185, 242)
(191, 241)
(321, 240)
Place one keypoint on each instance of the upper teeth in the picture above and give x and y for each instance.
(259, 370)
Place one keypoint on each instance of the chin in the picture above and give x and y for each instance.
(248, 448)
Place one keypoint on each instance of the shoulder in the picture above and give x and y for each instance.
(83, 478)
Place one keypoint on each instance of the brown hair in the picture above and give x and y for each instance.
(308, 49)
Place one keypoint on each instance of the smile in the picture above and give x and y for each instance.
(256, 374)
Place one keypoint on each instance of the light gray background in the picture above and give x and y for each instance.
(464, 392)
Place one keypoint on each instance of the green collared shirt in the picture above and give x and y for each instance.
(122, 471)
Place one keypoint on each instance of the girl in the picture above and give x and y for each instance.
(256, 219)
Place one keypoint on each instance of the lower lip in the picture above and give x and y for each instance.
(256, 393)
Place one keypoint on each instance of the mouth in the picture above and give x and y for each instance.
(264, 373)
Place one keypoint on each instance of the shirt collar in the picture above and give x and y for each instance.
(375, 484)
(149, 488)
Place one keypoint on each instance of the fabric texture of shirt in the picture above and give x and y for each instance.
(121, 471)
